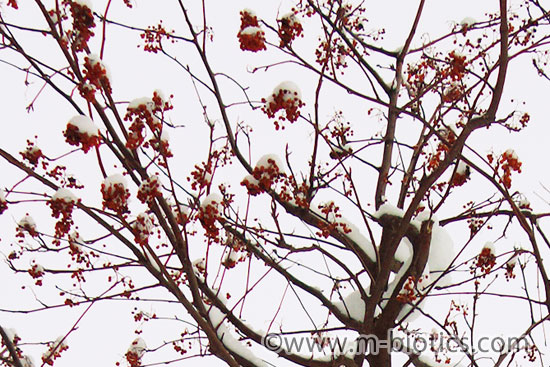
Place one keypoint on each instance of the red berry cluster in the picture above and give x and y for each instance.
(509, 162)
(408, 293)
(142, 113)
(286, 100)
(74, 136)
(83, 22)
(456, 66)
(54, 352)
(3, 204)
(209, 214)
(63, 208)
(95, 77)
(36, 272)
(442, 149)
(32, 154)
(153, 37)
(262, 178)
(486, 260)
(289, 28)
(149, 190)
(115, 197)
(251, 37)
(142, 229)
(13, 4)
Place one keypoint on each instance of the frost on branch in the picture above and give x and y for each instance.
(3, 202)
(135, 352)
(289, 28)
(82, 131)
(251, 37)
(62, 205)
(287, 97)
(267, 171)
(115, 193)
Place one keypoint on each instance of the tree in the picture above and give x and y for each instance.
(347, 237)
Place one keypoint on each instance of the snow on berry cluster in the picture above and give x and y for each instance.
(82, 131)
(251, 37)
(149, 189)
(62, 205)
(32, 154)
(267, 171)
(143, 112)
(135, 352)
(286, 97)
(83, 22)
(115, 193)
(96, 77)
(210, 213)
(36, 272)
(54, 351)
(142, 228)
(486, 259)
(289, 28)
(3, 202)
(26, 224)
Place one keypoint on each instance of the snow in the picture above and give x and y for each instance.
(138, 347)
(165, 136)
(65, 195)
(356, 236)
(11, 334)
(231, 342)
(404, 251)
(199, 265)
(513, 261)
(511, 153)
(249, 11)
(84, 125)
(116, 179)
(468, 22)
(462, 168)
(95, 59)
(290, 89)
(264, 162)
(86, 3)
(143, 223)
(2, 197)
(27, 222)
(490, 246)
(354, 306)
(146, 101)
(391, 210)
(442, 253)
(251, 30)
(214, 199)
(388, 209)
(27, 361)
